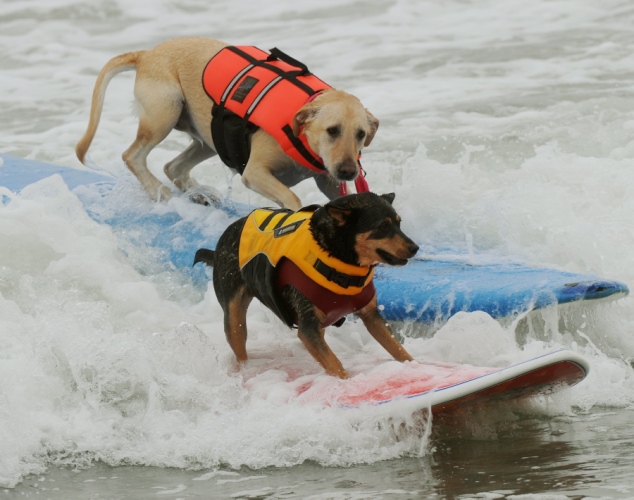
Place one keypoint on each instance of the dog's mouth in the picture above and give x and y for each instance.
(346, 176)
(390, 259)
(346, 171)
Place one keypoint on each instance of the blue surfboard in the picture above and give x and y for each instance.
(431, 288)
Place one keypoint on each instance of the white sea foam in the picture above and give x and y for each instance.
(506, 129)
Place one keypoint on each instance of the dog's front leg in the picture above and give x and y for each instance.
(328, 185)
(260, 179)
(311, 332)
(266, 157)
(312, 336)
(376, 325)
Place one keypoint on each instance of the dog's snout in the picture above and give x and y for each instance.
(412, 248)
(347, 170)
(406, 247)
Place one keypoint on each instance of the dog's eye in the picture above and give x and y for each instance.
(360, 135)
(383, 230)
(333, 131)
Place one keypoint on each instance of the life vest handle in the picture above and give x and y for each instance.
(278, 54)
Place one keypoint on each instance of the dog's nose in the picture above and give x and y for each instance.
(412, 248)
(347, 170)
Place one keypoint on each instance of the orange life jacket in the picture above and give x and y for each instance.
(278, 249)
(251, 88)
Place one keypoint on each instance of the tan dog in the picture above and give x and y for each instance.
(170, 95)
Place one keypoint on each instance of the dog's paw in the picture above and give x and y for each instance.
(204, 195)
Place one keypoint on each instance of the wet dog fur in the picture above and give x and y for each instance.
(359, 229)
(169, 95)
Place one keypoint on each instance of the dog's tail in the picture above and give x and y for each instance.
(114, 66)
(204, 255)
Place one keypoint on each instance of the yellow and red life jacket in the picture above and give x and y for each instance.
(253, 89)
(278, 249)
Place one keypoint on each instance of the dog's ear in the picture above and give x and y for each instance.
(340, 215)
(302, 117)
(373, 122)
(340, 209)
(388, 197)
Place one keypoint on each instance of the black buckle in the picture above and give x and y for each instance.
(343, 280)
(331, 274)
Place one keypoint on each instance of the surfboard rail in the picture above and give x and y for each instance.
(542, 375)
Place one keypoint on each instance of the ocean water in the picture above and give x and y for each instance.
(507, 131)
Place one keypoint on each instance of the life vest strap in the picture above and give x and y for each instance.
(342, 279)
(287, 75)
(276, 53)
(313, 162)
(273, 213)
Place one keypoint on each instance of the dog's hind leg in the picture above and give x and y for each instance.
(232, 292)
(158, 114)
(179, 168)
(236, 322)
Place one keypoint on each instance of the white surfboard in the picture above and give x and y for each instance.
(445, 388)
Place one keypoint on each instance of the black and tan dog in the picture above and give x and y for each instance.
(310, 267)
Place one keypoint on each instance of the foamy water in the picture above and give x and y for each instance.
(506, 131)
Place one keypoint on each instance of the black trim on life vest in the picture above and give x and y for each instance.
(290, 75)
(273, 213)
(288, 131)
(228, 132)
(342, 279)
(283, 219)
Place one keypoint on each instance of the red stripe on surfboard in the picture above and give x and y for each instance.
(544, 380)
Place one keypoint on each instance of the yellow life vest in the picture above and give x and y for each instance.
(270, 238)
